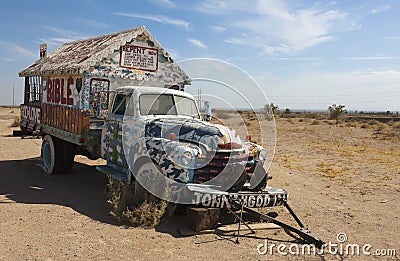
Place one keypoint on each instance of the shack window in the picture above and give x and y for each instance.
(99, 96)
(33, 90)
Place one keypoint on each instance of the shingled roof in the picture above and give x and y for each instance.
(78, 56)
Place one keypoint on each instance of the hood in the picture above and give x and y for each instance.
(191, 130)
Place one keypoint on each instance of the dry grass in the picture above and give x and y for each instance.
(146, 211)
(222, 114)
(316, 122)
(330, 170)
(17, 121)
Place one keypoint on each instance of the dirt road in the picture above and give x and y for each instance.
(341, 179)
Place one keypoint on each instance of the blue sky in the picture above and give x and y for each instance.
(303, 54)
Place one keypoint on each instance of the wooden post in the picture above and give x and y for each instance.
(202, 218)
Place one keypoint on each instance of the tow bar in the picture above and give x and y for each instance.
(302, 232)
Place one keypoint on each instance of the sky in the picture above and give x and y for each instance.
(303, 54)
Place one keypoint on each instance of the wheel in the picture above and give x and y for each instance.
(51, 154)
(57, 155)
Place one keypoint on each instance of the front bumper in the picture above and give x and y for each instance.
(206, 196)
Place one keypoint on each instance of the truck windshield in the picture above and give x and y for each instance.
(167, 104)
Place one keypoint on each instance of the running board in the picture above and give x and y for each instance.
(118, 175)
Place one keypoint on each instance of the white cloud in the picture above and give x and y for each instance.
(222, 6)
(371, 58)
(62, 36)
(158, 18)
(16, 49)
(392, 37)
(379, 9)
(14, 52)
(19, 50)
(218, 29)
(164, 3)
(197, 43)
(92, 23)
(173, 53)
(65, 32)
(236, 40)
(8, 60)
(279, 26)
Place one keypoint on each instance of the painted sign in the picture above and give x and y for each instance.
(30, 113)
(59, 91)
(139, 57)
(248, 200)
(63, 91)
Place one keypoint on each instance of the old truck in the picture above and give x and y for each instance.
(121, 97)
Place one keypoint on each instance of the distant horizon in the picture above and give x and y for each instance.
(260, 110)
(302, 54)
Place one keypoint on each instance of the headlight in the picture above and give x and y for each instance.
(186, 158)
(184, 155)
(262, 155)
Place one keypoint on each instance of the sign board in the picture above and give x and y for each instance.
(139, 57)
(30, 113)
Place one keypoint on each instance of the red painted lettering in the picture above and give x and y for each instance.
(60, 90)
(70, 100)
(63, 97)
(49, 97)
(57, 96)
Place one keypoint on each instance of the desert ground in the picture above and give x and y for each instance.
(341, 178)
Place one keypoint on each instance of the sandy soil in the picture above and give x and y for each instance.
(341, 179)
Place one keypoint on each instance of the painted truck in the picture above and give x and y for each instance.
(76, 98)
(121, 97)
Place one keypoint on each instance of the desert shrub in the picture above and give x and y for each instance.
(335, 111)
(17, 121)
(130, 209)
(396, 126)
(222, 115)
(329, 122)
(373, 122)
(313, 116)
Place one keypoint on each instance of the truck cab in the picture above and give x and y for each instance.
(165, 127)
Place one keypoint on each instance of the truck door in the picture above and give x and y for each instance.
(111, 145)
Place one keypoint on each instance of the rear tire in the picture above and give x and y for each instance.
(57, 155)
(51, 154)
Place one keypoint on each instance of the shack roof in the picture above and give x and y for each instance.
(75, 57)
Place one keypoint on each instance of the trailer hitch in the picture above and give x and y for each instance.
(302, 232)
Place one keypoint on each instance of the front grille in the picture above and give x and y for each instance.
(209, 166)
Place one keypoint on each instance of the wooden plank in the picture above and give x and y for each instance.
(86, 123)
(78, 122)
(65, 118)
(254, 226)
(68, 120)
(62, 122)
